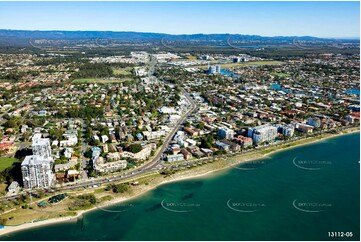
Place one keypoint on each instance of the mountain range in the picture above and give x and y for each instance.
(122, 35)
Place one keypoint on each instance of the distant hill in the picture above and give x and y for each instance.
(79, 35)
(26, 38)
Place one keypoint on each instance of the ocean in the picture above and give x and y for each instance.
(304, 193)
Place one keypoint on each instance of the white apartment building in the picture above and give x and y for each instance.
(41, 147)
(154, 134)
(288, 130)
(141, 155)
(262, 133)
(37, 171)
(71, 141)
(315, 122)
(100, 165)
(225, 133)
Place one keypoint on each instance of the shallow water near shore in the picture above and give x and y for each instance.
(297, 194)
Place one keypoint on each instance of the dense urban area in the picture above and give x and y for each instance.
(73, 126)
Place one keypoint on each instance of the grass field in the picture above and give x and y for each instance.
(250, 63)
(99, 80)
(123, 71)
(6, 162)
(191, 57)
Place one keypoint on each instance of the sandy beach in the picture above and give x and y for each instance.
(187, 174)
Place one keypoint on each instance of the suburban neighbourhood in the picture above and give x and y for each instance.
(68, 126)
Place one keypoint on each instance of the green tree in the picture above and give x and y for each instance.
(13, 122)
(135, 148)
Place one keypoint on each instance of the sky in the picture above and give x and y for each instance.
(320, 19)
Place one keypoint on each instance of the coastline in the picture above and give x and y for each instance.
(351, 131)
(190, 174)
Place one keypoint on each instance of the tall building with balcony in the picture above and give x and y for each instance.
(315, 122)
(36, 169)
(216, 69)
(41, 147)
(288, 130)
(37, 172)
(225, 133)
(262, 133)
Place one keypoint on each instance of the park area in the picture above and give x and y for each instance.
(123, 71)
(6, 162)
(99, 81)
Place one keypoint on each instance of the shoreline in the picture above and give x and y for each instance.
(352, 131)
(181, 177)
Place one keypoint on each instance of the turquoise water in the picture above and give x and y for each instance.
(228, 73)
(276, 86)
(261, 198)
(353, 91)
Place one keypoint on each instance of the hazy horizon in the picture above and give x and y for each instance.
(316, 19)
(129, 31)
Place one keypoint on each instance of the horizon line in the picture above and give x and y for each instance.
(146, 32)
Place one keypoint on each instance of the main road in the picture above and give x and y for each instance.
(145, 168)
(148, 167)
(155, 161)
